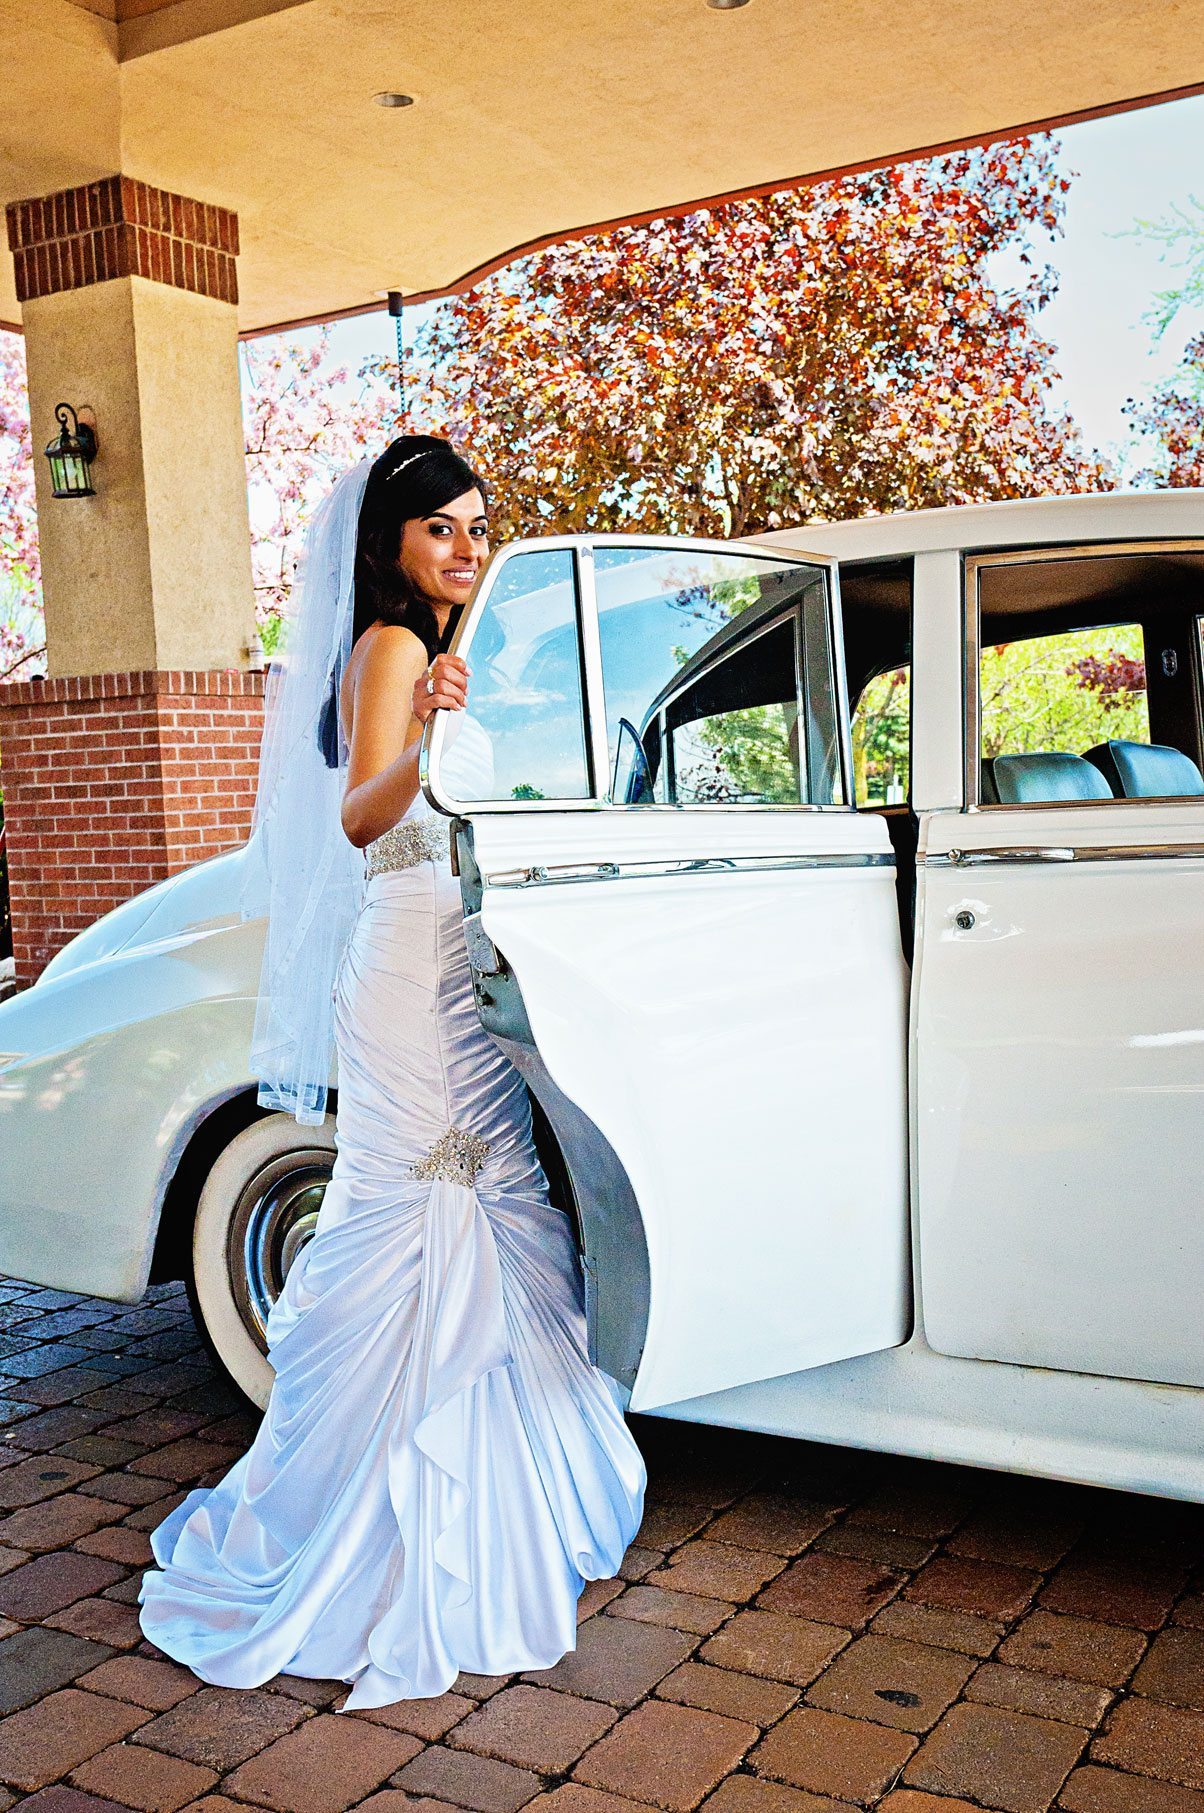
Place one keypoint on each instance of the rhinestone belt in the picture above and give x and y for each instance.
(412, 841)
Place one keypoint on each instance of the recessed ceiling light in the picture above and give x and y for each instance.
(726, 6)
(389, 99)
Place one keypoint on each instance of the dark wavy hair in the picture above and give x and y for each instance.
(416, 475)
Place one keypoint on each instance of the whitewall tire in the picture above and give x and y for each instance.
(256, 1211)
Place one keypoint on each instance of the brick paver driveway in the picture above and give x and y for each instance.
(799, 1630)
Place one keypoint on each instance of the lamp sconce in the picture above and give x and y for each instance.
(71, 455)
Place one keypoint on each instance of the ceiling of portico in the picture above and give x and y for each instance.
(531, 118)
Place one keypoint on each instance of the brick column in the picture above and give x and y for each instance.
(114, 781)
(138, 755)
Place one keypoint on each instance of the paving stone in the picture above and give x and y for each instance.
(918, 1800)
(41, 1477)
(752, 1794)
(575, 1797)
(987, 1589)
(769, 1643)
(427, 1719)
(1003, 1759)
(101, 1621)
(127, 1488)
(143, 1682)
(1047, 1696)
(1174, 1669)
(65, 1800)
(866, 1543)
(596, 1595)
(533, 1727)
(116, 1543)
(479, 1687)
(829, 1754)
(155, 1428)
(667, 1754)
(892, 1682)
(185, 1460)
(117, 1400)
(1017, 1534)
(36, 1361)
(831, 1589)
(55, 1522)
(53, 1581)
(100, 1450)
(11, 1558)
(665, 1526)
(55, 1387)
(1113, 1589)
(144, 1779)
(42, 1742)
(387, 1800)
(126, 1590)
(1095, 1790)
(773, 1521)
(323, 1766)
(717, 1570)
(220, 1727)
(43, 1430)
(736, 1696)
(929, 1507)
(1190, 1610)
(322, 1694)
(1151, 1739)
(1082, 1648)
(618, 1660)
(638, 1561)
(460, 1779)
(679, 1611)
(34, 1662)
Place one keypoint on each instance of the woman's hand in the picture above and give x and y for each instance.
(443, 687)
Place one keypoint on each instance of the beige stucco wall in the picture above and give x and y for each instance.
(153, 572)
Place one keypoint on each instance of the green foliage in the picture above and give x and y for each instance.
(1055, 692)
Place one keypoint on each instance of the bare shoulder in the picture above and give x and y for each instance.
(387, 653)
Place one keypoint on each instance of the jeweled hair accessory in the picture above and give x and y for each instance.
(425, 454)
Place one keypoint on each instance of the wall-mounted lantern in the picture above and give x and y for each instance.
(71, 455)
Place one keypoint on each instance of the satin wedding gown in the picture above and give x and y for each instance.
(440, 1468)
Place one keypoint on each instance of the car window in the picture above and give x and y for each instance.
(1065, 692)
(881, 737)
(526, 692)
(697, 714)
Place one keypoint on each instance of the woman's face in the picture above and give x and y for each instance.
(442, 554)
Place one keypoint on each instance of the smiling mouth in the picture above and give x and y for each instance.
(459, 575)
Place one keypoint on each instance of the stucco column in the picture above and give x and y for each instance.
(137, 755)
(128, 305)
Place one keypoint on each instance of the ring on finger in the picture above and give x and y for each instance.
(430, 682)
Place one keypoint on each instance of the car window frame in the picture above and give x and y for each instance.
(594, 696)
(973, 564)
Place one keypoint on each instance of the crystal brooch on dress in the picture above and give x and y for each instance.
(456, 1157)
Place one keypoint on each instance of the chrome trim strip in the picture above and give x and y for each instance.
(594, 700)
(1063, 853)
(556, 873)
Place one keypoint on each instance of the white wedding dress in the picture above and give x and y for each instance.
(440, 1468)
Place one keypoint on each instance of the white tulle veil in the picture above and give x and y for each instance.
(300, 868)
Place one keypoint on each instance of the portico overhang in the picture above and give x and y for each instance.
(529, 121)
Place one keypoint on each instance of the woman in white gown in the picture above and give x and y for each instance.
(440, 1468)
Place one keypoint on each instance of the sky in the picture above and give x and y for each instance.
(1130, 167)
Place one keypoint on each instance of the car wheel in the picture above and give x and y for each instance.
(256, 1211)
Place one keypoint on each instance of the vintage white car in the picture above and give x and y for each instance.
(841, 898)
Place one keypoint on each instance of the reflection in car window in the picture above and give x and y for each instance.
(526, 687)
(694, 713)
(882, 739)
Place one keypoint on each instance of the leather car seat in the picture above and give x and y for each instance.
(1146, 770)
(1039, 779)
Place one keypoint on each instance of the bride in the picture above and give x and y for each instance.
(440, 1468)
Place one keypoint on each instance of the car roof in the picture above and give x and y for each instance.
(1024, 522)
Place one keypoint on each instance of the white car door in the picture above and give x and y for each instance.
(1060, 979)
(690, 944)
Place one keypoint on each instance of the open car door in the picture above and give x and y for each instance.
(689, 943)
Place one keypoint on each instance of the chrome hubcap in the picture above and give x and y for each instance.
(273, 1219)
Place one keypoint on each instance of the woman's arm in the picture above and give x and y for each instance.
(382, 764)
(387, 706)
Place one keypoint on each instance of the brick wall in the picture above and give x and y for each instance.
(119, 227)
(114, 781)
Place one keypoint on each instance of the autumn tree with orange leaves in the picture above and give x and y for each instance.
(820, 353)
